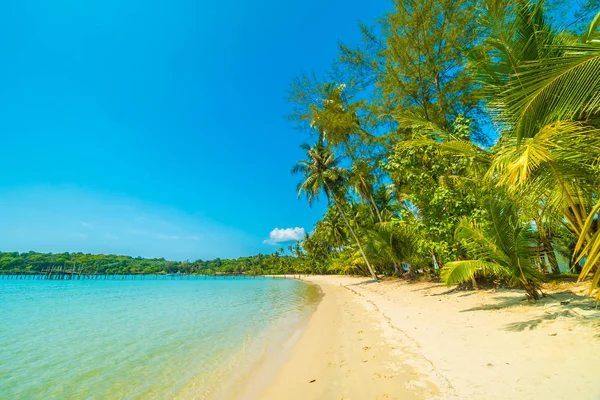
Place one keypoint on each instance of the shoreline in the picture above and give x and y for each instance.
(394, 339)
(344, 352)
(282, 339)
(263, 355)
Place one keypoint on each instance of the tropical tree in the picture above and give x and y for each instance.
(362, 181)
(544, 94)
(438, 175)
(404, 112)
(501, 248)
(322, 172)
(332, 229)
(392, 243)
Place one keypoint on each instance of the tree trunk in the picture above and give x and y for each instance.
(474, 283)
(532, 291)
(376, 209)
(364, 184)
(362, 252)
(360, 248)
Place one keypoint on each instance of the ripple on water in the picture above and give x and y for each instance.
(136, 339)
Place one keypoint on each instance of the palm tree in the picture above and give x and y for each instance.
(331, 228)
(501, 249)
(392, 242)
(361, 179)
(318, 253)
(322, 173)
(545, 97)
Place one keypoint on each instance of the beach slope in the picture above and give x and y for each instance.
(395, 340)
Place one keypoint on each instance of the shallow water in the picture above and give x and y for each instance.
(144, 339)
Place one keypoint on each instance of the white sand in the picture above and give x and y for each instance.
(395, 340)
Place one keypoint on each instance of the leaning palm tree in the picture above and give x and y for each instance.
(322, 173)
(500, 249)
(362, 181)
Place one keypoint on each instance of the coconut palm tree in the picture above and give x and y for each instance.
(524, 75)
(501, 249)
(362, 181)
(392, 243)
(544, 88)
(332, 229)
(322, 174)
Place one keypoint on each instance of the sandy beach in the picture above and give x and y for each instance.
(399, 340)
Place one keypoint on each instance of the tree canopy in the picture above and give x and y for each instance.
(465, 137)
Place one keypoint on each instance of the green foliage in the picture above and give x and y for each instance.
(437, 188)
(544, 92)
(321, 173)
(403, 112)
(501, 248)
(400, 154)
(32, 262)
(414, 55)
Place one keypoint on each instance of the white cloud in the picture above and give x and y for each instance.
(86, 225)
(111, 237)
(284, 235)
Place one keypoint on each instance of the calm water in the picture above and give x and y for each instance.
(140, 339)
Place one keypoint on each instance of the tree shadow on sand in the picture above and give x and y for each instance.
(449, 291)
(463, 293)
(567, 300)
(362, 283)
(548, 316)
(552, 307)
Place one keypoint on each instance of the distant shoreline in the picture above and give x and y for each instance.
(394, 339)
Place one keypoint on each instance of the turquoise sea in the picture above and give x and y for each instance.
(141, 339)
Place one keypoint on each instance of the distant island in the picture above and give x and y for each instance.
(15, 263)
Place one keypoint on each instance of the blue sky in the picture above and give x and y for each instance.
(157, 128)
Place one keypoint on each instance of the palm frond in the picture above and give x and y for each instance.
(456, 272)
(592, 31)
(547, 90)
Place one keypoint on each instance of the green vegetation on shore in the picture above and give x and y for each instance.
(34, 263)
(461, 138)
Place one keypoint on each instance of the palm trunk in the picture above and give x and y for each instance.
(530, 287)
(364, 184)
(362, 252)
(372, 200)
(354, 235)
(532, 291)
(376, 208)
